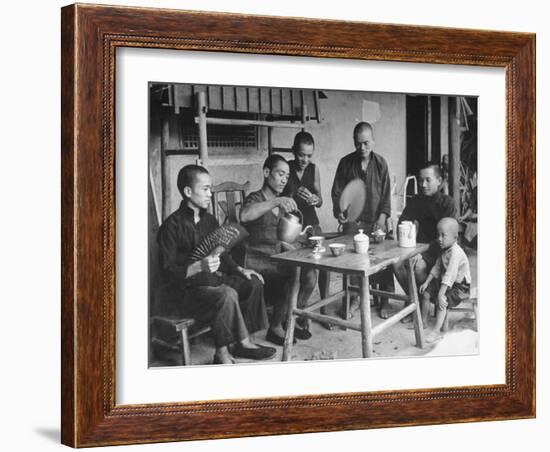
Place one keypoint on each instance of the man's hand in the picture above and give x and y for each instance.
(313, 200)
(287, 246)
(287, 204)
(248, 274)
(210, 264)
(342, 218)
(304, 193)
(380, 224)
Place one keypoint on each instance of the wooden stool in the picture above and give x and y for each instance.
(178, 325)
(461, 308)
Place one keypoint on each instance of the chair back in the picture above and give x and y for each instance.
(227, 200)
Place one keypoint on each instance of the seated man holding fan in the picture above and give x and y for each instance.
(214, 290)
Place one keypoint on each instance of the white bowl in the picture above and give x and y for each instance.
(337, 249)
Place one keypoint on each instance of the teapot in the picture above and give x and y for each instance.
(290, 227)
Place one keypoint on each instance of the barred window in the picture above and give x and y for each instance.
(221, 136)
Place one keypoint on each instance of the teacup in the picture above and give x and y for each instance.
(337, 249)
(316, 240)
(378, 236)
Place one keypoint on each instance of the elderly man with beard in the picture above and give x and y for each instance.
(260, 216)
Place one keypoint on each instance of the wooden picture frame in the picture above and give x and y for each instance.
(90, 37)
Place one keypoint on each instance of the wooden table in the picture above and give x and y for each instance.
(380, 256)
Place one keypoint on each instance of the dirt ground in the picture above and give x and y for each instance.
(397, 341)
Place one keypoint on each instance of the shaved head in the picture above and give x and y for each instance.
(361, 127)
(449, 225)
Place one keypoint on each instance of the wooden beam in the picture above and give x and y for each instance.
(381, 293)
(454, 152)
(393, 319)
(252, 122)
(394, 296)
(327, 319)
(201, 121)
(325, 301)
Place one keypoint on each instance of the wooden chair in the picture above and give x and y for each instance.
(227, 210)
(230, 206)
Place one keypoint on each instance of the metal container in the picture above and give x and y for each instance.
(290, 227)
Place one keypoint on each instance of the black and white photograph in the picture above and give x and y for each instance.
(296, 224)
(254, 226)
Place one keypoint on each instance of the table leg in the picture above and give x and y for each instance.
(324, 291)
(291, 319)
(366, 324)
(417, 315)
(346, 300)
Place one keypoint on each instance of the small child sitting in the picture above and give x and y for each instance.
(448, 283)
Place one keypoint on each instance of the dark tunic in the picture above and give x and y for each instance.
(177, 238)
(307, 181)
(377, 182)
(234, 306)
(428, 210)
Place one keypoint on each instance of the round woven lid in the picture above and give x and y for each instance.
(352, 200)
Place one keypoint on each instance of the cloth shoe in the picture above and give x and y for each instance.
(262, 352)
(299, 332)
(277, 340)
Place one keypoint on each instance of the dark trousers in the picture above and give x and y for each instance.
(233, 309)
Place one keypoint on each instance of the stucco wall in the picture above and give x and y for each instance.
(333, 137)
